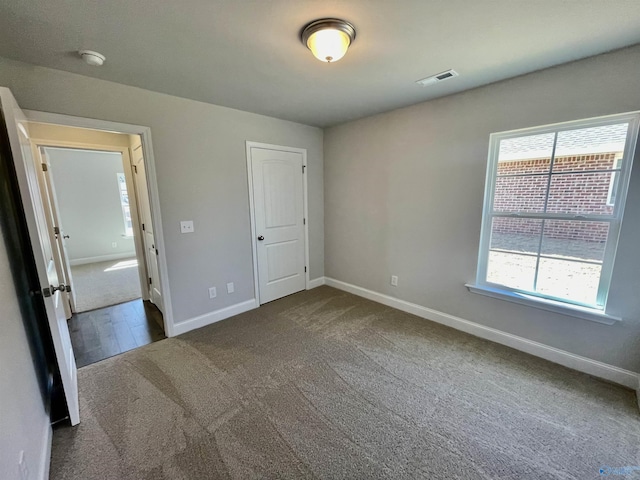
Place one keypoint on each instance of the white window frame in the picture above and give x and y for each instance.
(592, 312)
(128, 231)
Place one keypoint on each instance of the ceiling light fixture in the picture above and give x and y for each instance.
(92, 58)
(328, 38)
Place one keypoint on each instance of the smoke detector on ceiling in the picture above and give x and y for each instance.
(92, 58)
(440, 77)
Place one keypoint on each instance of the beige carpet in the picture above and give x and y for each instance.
(103, 284)
(323, 384)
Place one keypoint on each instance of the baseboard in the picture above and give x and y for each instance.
(213, 317)
(102, 258)
(316, 282)
(45, 462)
(605, 371)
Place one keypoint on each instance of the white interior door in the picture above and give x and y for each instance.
(27, 174)
(56, 228)
(148, 234)
(278, 197)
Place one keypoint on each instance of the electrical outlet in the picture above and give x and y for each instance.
(394, 280)
(114, 244)
(22, 466)
(186, 226)
(212, 292)
(230, 288)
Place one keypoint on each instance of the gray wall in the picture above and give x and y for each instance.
(202, 174)
(404, 192)
(89, 201)
(23, 420)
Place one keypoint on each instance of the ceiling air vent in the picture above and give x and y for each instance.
(440, 77)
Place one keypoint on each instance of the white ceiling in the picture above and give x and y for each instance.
(246, 54)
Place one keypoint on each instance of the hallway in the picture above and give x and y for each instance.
(109, 331)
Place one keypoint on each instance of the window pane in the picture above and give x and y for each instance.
(575, 239)
(511, 270)
(574, 281)
(580, 193)
(520, 194)
(593, 148)
(613, 185)
(527, 154)
(579, 163)
(518, 235)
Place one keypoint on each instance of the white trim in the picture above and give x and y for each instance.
(45, 461)
(591, 314)
(101, 258)
(213, 317)
(611, 373)
(152, 182)
(252, 215)
(316, 282)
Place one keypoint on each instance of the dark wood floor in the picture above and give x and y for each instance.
(106, 332)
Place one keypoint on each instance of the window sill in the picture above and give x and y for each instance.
(591, 314)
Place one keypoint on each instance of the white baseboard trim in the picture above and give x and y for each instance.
(101, 258)
(45, 462)
(605, 371)
(316, 282)
(213, 317)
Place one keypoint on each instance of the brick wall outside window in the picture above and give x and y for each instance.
(581, 193)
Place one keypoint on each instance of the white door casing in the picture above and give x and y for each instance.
(278, 207)
(148, 232)
(27, 173)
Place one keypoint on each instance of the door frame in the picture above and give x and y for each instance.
(38, 143)
(152, 183)
(252, 214)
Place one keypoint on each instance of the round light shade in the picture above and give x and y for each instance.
(328, 39)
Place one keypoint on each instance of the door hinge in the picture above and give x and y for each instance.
(157, 252)
(45, 167)
(304, 221)
(135, 169)
(150, 281)
(56, 231)
(303, 167)
(305, 269)
(143, 227)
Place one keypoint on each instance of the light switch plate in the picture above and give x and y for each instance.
(230, 287)
(212, 292)
(186, 226)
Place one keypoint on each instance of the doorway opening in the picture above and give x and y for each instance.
(97, 207)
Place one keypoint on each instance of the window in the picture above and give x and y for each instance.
(124, 202)
(554, 203)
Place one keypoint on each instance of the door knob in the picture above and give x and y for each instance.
(50, 290)
(261, 238)
(60, 288)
